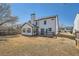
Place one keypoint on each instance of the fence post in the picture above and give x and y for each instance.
(77, 38)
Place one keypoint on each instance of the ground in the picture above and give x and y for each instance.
(18, 45)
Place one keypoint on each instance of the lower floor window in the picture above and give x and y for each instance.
(28, 30)
(50, 29)
(24, 30)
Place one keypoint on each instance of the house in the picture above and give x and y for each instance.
(76, 24)
(67, 29)
(76, 29)
(47, 26)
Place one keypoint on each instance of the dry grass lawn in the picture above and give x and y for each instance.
(37, 46)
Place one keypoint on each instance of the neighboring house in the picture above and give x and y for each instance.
(76, 24)
(76, 29)
(68, 29)
(62, 28)
(44, 26)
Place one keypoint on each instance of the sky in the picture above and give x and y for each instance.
(66, 12)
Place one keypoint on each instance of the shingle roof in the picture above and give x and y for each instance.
(47, 17)
(40, 19)
(28, 24)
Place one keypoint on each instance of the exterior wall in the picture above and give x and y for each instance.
(49, 24)
(34, 22)
(76, 24)
(26, 26)
(76, 29)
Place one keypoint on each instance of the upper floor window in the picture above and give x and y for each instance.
(45, 22)
(36, 22)
(53, 19)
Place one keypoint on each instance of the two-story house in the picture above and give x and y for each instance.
(43, 26)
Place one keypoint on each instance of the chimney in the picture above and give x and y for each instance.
(33, 16)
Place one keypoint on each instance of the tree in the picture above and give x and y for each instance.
(5, 14)
(6, 19)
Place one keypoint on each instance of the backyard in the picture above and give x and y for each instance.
(17, 45)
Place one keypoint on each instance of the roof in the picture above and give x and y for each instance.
(27, 24)
(32, 25)
(40, 19)
(47, 17)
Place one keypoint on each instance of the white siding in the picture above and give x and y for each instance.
(26, 26)
(57, 25)
(76, 24)
(49, 24)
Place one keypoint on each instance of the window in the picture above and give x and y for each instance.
(36, 22)
(52, 19)
(28, 30)
(42, 31)
(24, 30)
(45, 22)
(50, 29)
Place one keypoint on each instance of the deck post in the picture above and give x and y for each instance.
(77, 38)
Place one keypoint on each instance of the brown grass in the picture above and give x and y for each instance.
(37, 46)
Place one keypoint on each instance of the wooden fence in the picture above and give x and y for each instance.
(9, 32)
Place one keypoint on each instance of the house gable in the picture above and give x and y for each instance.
(27, 24)
(26, 29)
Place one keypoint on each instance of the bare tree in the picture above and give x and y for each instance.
(5, 14)
(6, 20)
